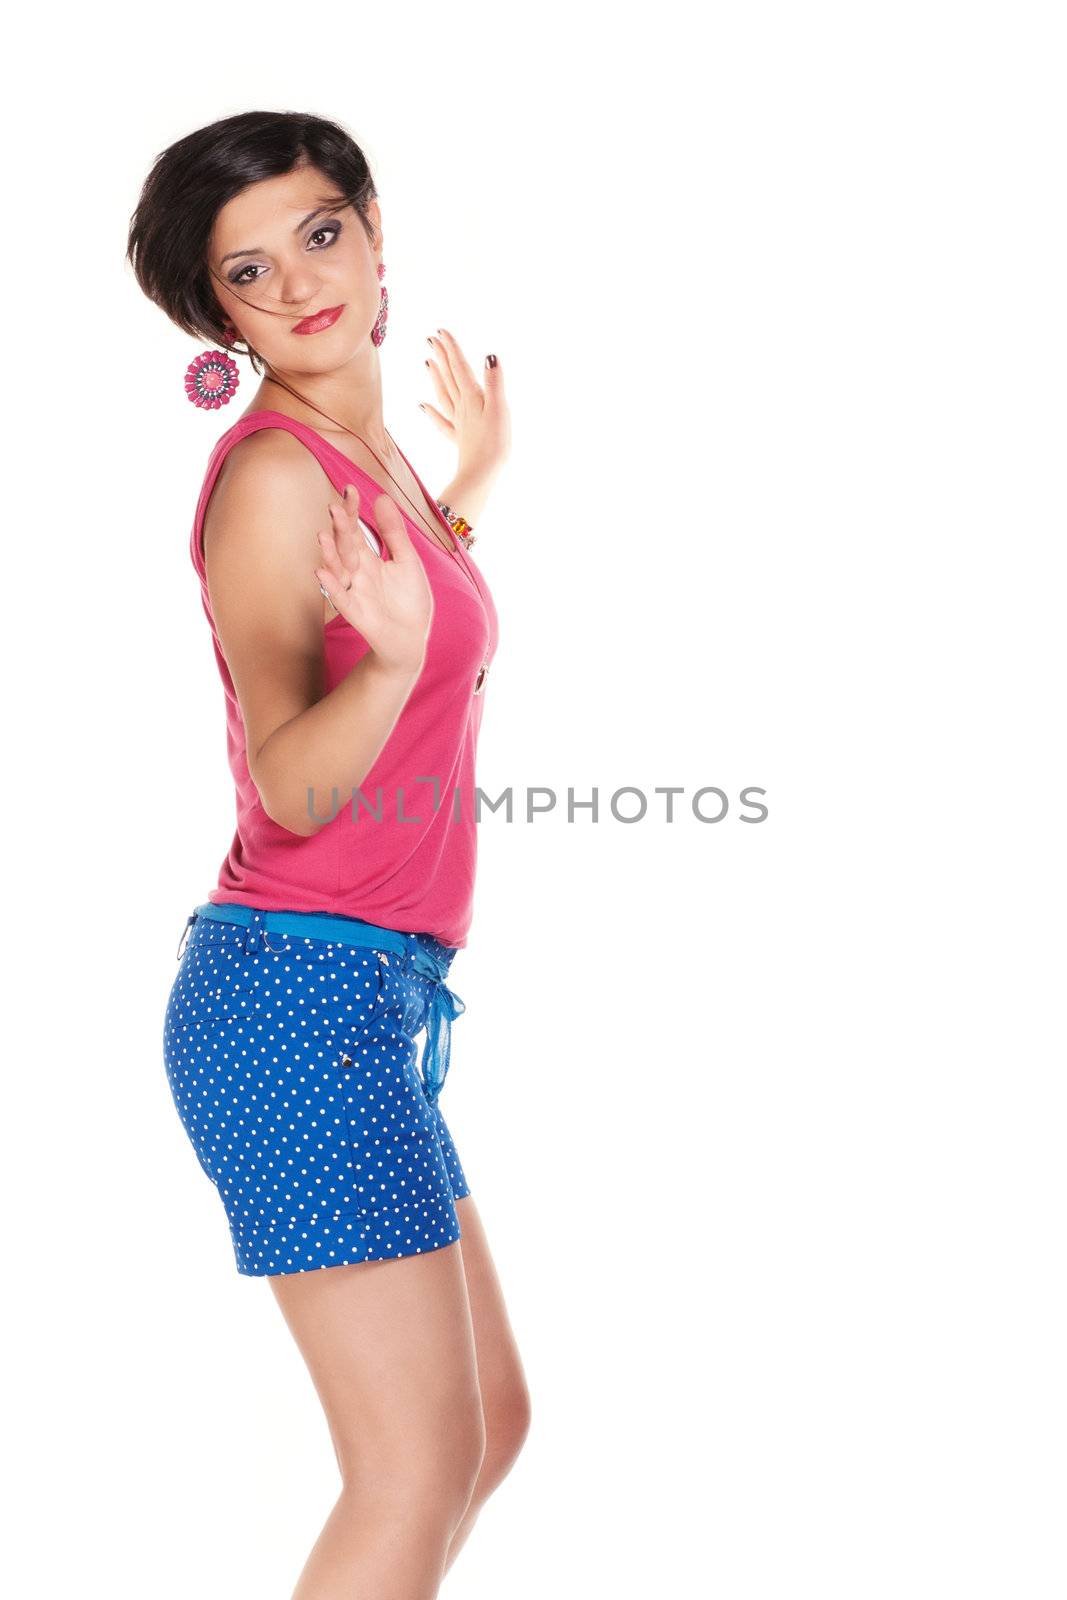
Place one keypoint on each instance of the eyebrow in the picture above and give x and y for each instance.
(258, 249)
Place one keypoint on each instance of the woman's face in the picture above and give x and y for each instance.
(284, 249)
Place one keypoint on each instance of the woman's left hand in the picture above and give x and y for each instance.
(475, 419)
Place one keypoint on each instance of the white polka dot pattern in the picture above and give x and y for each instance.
(295, 1073)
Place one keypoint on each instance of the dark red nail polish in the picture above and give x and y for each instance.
(490, 361)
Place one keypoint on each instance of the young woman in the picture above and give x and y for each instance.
(354, 635)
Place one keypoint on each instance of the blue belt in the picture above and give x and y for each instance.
(421, 952)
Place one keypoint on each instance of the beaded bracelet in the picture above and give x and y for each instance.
(459, 525)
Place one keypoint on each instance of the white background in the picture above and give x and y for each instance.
(765, 1122)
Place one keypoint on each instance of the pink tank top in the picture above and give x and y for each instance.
(402, 852)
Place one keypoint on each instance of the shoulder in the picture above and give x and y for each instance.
(269, 477)
(270, 459)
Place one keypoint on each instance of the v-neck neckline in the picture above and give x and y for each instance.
(458, 554)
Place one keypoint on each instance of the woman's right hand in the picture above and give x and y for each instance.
(389, 602)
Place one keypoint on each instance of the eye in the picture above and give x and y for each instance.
(330, 228)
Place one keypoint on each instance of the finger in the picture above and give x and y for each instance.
(443, 394)
(494, 377)
(461, 368)
(447, 374)
(350, 499)
(346, 548)
(391, 530)
(339, 574)
(348, 536)
(364, 539)
(496, 404)
(330, 586)
(442, 422)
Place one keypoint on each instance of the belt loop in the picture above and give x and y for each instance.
(254, 935)
(184, 940)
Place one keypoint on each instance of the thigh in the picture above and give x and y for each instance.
(390, 1349)
(502, 1381)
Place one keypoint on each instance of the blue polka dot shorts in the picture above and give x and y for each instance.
(293, 1064)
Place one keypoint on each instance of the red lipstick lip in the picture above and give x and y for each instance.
(321, 319)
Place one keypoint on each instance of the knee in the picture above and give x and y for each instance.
(429, 1467)
(464, 1455)
(507, 1410)
(449, 1471)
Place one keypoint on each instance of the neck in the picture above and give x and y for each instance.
(352, 395)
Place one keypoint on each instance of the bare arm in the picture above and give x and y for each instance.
(468, 492)
(263, 541)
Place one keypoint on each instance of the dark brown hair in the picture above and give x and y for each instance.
(194, 178)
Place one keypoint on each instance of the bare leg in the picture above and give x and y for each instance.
(505, 1396)
(390, 1349)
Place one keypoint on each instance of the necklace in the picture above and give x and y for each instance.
(451, 550)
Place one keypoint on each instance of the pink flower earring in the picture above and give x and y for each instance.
(377, 333)
(211, 380)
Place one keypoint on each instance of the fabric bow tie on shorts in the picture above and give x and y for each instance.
(445, 1007)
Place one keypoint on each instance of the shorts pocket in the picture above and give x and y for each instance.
(360, 996)
(216, 981)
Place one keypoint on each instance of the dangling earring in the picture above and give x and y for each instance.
(377, 333)
(211, 380)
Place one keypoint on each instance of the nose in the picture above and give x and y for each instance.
(300, 288)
